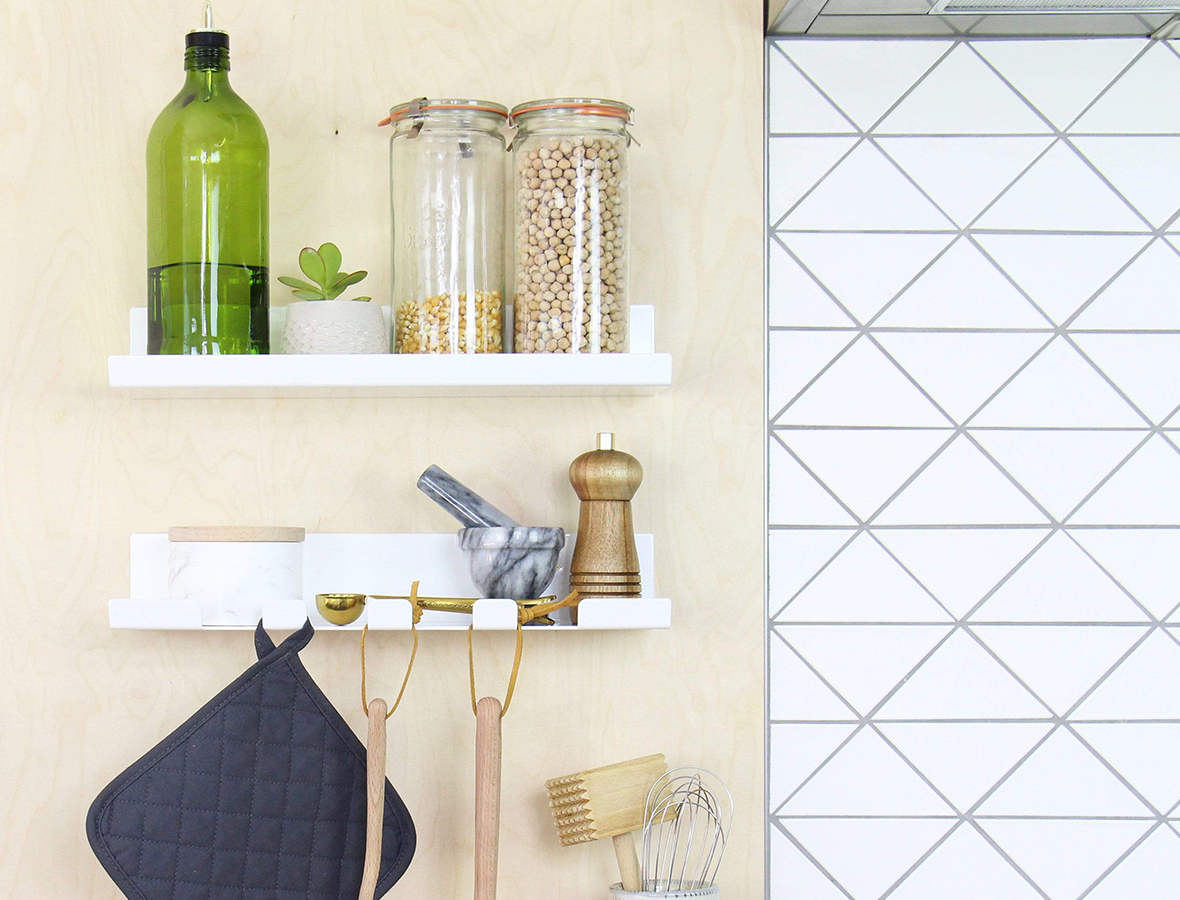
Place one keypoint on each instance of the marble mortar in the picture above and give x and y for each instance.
(516, 562)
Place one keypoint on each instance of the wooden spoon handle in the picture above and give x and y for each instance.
(375, 821)
(488, 751)
(628, 862)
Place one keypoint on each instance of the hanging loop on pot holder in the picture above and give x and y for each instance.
(263, 785)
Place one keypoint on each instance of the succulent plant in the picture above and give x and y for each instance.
(322, 267)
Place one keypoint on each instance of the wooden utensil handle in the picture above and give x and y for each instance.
(628, 862)
(375, 820)
(488, 751)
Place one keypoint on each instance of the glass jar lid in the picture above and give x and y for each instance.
(423, 106)
(589, 106)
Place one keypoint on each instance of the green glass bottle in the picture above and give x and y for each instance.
(208, 164)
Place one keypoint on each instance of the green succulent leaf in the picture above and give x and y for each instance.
(330, 254)
(310, 295)
(362, 299)
(313, 266)
(298, 283)
(347, 278)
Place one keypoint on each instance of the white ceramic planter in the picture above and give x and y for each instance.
(709, 893)
(335, 326)
(233, 572)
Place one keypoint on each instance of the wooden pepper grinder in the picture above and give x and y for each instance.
(605, 562)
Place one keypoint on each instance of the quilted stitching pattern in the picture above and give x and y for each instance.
(262, 800)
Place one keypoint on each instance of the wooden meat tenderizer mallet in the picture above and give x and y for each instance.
(607, 802)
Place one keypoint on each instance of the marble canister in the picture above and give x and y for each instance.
(233, 572)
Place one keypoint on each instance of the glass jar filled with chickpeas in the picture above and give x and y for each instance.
(447, 195)
(570, 180)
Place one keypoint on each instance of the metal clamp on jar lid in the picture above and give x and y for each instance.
(419, 108)
(586, 105)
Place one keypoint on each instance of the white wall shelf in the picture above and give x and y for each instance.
(642, 371)
(373, 564)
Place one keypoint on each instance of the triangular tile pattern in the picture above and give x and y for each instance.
(1145, 170)
(866, 192)
(1059, 583)
(961, 566)
(962, 96)
(965, 760)
(867, 856)
(1034, 459)
(1150, 872)
(963, 289)
(965, 867)
(963, 369)
(975, 533)
(1131, 104)
(1061, 272)
(797, 106)
(962, 681)
(1060, 193)
(1091, 66)
(1063, 857)
(863, 584)
(864, 78)
(1141, 298)
(937, 164)
(837, 457)
(1062, 778)
(866, 271)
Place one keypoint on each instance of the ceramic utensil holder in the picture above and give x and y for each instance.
(232, 572)
(617, 893)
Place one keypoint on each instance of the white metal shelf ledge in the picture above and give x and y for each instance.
(374, 564)
(640, 372)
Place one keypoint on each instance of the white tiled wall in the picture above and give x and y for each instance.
(974, 453)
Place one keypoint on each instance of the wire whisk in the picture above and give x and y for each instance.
(685, 826)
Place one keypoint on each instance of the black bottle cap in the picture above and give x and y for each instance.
(207, 39)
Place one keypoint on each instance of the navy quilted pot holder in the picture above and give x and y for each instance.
(259, 796)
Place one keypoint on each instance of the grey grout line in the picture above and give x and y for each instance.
(921, 859)
(1102, 93)
(1008, 859)
(1117, 862)
(856, 129)
(1016, 720)
(1066, 325)
(817, 376)
(1012, 281)
(818, 283)
(1068, 726)
(847, 509)
(1118, 390)
(808, 855)
(816, 673)
(1109, 475)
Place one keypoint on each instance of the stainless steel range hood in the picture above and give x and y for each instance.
(975, 17)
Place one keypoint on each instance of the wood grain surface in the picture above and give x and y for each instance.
(82, 467)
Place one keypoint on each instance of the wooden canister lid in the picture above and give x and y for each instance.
(235, 534)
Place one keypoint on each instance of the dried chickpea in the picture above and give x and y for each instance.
(571, 245)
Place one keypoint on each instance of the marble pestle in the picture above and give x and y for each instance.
(461, 502)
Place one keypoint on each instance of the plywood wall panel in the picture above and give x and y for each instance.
(81, 467)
